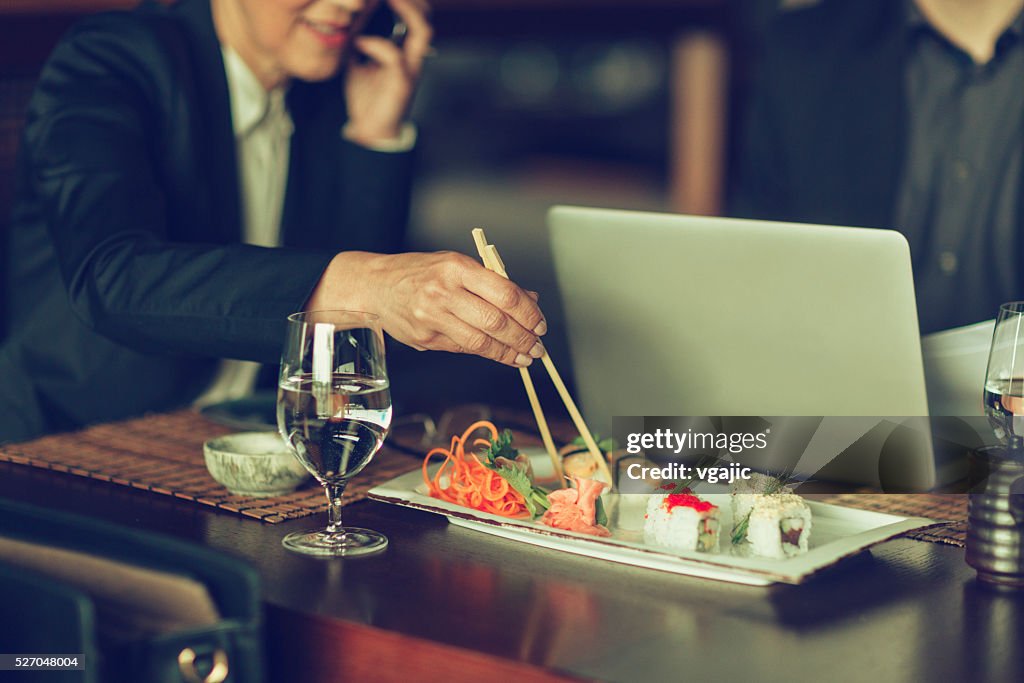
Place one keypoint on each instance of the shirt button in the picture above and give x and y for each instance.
(961, 170)
(947, 262)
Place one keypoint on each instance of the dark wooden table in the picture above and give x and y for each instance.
(444, 603)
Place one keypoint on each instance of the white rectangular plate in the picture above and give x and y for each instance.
(837, 532)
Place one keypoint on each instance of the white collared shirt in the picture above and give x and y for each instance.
(263, 134)
(263, 131)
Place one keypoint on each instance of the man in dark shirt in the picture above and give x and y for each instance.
(906, 114)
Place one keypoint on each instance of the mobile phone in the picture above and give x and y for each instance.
(383, 22)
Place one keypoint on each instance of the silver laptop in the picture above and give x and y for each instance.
(695, 316)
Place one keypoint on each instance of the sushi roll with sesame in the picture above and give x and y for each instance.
(778, 526)
(744, 492)
(681, 521)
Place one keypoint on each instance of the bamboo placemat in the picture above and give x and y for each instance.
(164, 454)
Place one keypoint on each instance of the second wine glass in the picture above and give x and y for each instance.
(1004, 378)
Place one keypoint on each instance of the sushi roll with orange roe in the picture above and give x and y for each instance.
(682, 521)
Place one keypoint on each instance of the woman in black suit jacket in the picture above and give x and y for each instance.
(129, 276)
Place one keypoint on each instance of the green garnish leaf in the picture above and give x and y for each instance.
(739, 532)
(518, 480)
(501, 448)
(600, 514)
(517, 474)
(540, 497)
(604, 445)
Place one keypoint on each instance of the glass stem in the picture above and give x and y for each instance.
(334, 492)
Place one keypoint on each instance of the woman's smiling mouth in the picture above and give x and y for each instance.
(328, 33)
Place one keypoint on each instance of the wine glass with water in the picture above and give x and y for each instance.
(1004, 379)
(334, 410)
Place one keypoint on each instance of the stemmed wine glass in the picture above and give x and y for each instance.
(1004, 378)
(334, 410)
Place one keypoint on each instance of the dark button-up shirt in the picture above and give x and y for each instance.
(958, 202)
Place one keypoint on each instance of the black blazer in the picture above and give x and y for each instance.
(128, 278)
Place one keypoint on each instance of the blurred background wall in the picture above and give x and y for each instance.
(527, 104)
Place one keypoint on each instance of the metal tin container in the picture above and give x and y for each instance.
(995, 531)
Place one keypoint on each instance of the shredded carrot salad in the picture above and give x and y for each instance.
(464, 480)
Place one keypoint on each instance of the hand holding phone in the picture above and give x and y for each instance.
(394, 40)
(386, 24)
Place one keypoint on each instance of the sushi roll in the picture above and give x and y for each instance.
(577, 461)
(745, 490)
(681, 521)
(779, 526)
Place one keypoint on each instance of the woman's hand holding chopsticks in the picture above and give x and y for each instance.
(441, 301)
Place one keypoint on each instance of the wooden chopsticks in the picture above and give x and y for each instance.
(492, 261)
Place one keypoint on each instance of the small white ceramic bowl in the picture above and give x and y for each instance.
(256, 464)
